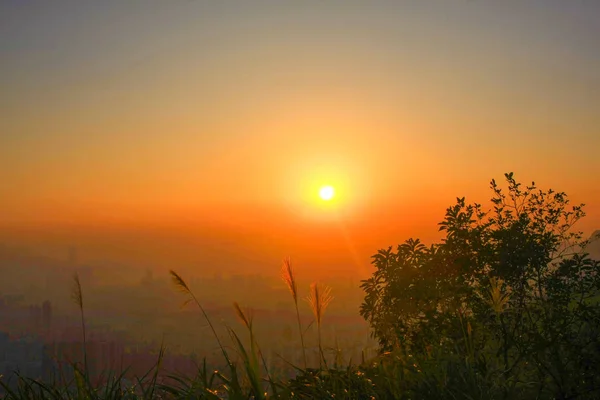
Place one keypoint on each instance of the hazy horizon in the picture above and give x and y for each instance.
(196, 134)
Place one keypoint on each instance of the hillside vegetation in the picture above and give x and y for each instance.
(504, 307)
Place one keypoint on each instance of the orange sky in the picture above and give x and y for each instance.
(197, 115)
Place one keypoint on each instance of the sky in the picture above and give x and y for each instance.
(201, 119)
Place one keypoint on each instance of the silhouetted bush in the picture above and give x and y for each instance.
(507, 302)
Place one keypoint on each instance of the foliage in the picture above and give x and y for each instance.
(349, 383)
(515, 279)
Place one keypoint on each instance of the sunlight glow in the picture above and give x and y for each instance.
(326, 193)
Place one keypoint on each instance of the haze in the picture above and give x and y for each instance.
(142, 136)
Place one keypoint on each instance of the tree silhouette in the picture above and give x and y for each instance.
(510, 287)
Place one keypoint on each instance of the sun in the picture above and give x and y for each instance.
(326, 193)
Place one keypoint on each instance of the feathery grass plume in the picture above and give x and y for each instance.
(77, 297)
(287, 274)
(180, 285)
(496, 298)
(76, 292)
(319, 299)
(242, 316)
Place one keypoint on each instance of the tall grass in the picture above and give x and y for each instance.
(180, 285)
(77, 297)
(250, 359)
(232, 384)
(287, 274)
(245, 383)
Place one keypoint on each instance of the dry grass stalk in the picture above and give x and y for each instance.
(246, 320)
(287, 274)
(319, 299)
(77, 297)
(180, 285)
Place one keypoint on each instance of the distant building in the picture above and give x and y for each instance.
(23, 355)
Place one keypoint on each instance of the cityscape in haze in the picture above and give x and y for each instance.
(311, 199)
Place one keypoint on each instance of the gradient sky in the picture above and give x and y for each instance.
(233, 112)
